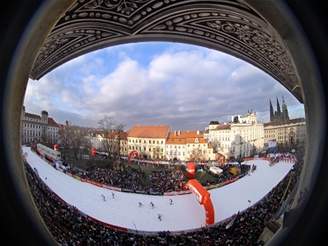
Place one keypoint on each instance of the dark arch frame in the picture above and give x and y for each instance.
(18, 52)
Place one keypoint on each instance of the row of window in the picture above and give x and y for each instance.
(174, 153)
(183, 146)
(144, 148)
(33, 119)
(31, 125)
(32, 133)
(144, 141)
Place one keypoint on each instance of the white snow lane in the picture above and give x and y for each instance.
(185, 213)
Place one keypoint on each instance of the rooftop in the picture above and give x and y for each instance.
(149, 131)
(185, 137)
(52, 122)
(292, 121)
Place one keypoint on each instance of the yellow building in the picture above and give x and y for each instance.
(188, 145)
(288, 132)
(149, 141)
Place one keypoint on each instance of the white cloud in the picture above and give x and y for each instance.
(177, 87)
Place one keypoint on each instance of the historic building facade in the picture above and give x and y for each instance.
(291, 132)
(282, 129)
(188, 145)
(243, 136)
(281, 114)
(36, 128)
(149, 141)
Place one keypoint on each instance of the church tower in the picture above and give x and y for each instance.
(281, 114)
(285, 115)
(278, 112)
(271, 112)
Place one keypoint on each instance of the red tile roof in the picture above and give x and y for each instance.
(223, 127)
(122, 135)
(52, 122)
(185, 137)
(146, 131)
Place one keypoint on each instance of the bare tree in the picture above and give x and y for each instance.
(216, 145)
(45, 138)
(112, 136)
(197, 155)
(65, 136)
(73, 142)
(106, 126)
(119, 129)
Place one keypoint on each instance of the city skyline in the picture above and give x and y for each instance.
(156, 83)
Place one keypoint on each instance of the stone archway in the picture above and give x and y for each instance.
(234, 27)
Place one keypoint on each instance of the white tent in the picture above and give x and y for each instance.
(216, 170)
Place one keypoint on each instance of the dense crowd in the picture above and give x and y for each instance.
(165, 179)
(70, 227)
(225, 175)
(286, 157)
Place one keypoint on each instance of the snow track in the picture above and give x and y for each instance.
(185, 213)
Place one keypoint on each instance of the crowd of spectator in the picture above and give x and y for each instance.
(70, 227)
(158, 181)
(167, 180)
(287, 157)
(225, 175)
(161, 179)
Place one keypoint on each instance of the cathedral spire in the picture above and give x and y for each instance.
(285, 115)
(278, 113)
(271, 112)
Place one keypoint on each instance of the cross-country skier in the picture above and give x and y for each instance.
(159, 217)
(152, 205)
(140, 204)
(171, 202)
(113, 195)
(103, 197)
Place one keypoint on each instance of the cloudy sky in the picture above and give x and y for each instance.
(184, 86)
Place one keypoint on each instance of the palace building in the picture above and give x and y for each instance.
(38, 128)
(242, 137)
